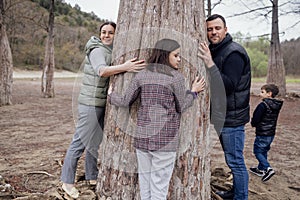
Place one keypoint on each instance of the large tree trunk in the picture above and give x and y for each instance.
(140, 24)
(276, 70)
(6, 64)
(47, 87)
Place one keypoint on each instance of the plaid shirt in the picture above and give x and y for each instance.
(163, 99)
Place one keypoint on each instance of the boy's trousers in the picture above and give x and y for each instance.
(155, 169)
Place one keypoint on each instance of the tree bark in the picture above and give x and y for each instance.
(6, 63)
(276, 70)
(47, 87)
(140, 24)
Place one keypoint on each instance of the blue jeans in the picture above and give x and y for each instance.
(232, 140)
(262, 145)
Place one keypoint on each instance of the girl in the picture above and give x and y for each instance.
(91, 108)
(163, 98)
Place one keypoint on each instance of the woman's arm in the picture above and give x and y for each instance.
(132, 65)
(102, 68)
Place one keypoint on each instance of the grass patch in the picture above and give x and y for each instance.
(292, 79)
(288, 79)
(258, 79)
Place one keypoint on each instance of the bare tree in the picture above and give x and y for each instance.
(47, 86)
(6, 63)
(276, 70)
(140, 24)
(211, 6)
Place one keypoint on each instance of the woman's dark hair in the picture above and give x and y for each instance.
(113, 24)
(215, 16)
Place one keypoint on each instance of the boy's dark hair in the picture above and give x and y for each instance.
(215, 16)
(271, 88)
(113, 24)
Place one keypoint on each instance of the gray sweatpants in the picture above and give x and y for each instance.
(155, 169)
(88, 135)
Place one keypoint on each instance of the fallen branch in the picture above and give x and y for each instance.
(35, 172)
(255, 192)
(220, 187)
(297, 188)
(41, 172)
(31, 196)
(215, 196)
(230, 184)
(6, 196)
(59, 162)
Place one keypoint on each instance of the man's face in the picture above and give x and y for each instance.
(216, 31)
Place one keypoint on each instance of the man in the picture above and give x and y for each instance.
(229, 62)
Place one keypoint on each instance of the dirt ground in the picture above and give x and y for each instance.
(35, 134)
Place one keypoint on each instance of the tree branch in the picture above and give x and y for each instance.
(249, 11)
(217, 3)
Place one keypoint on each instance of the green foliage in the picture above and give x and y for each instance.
(257, 50)
(262, 44)
(259, 62)
(26, 28)
(76, 17)
(67, 58)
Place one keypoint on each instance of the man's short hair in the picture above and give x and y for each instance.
(215, 16)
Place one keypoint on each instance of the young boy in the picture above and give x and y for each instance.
(264, 120)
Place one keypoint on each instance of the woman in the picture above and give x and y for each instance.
(163, 98)
(91, 108)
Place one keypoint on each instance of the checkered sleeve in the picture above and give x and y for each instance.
(131, 94)
(183, 97)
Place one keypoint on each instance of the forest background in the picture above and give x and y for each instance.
(27, 32)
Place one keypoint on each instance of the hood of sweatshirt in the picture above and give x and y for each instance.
(274, 104)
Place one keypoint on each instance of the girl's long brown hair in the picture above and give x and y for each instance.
(159, 58)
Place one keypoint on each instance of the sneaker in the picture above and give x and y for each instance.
(70, 190)
(256, 171)
(92, 182)
(226, 195)
(268, 174)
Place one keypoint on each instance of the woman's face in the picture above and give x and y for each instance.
(107, 34)
(174, 58)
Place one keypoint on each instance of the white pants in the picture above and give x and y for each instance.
(155, 169)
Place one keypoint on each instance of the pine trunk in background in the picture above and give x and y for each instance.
(6, 63)
(276, 70)
(140, 24)
(47, 87)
